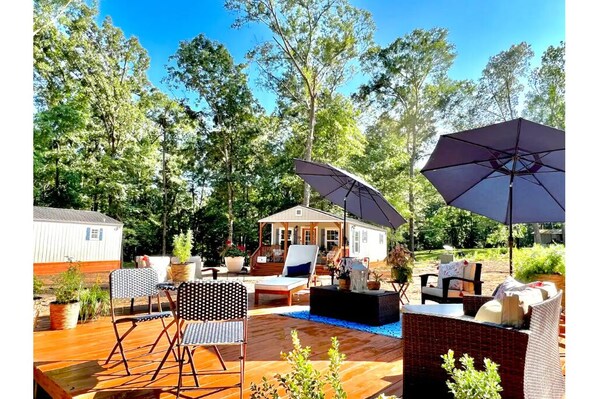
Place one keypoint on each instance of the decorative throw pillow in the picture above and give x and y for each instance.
(509, 285)
(453, 269)
(515, 306)
(298, 270)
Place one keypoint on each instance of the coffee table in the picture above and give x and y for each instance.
(374, 308)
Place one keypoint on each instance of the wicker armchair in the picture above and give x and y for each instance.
(472, 285)
(528, 359)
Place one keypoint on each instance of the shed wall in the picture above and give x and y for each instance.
(53, 242)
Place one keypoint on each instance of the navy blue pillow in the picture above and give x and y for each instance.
(298, 270)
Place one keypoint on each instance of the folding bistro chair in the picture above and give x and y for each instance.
(131, 284)
(211, 313)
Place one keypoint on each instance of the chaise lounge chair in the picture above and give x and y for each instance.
(299, 267)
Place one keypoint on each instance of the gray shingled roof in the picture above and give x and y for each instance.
(41, 213)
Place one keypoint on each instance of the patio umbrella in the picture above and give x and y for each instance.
(349, 191)
(512, 172)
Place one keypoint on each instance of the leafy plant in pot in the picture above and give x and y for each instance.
(64, 311)
(343, 276)
(234, 257)
(375, 280)
(400, 260)
(181, 249)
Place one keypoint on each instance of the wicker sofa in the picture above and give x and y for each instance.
(528, 359)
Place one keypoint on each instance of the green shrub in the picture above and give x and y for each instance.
(470, 383)
(37, 286)
(182, 245)
(304, 381)
(69, 284)
(95, 302)
(539, 259)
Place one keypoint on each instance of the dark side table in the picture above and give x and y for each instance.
(374, 308)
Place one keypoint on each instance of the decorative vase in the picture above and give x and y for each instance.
(373, 285)
(64, 316)
(182, 272)
(234, 264)
(344, 284)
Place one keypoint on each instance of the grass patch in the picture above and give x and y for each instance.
(472, 254)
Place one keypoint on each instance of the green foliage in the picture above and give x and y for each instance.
(540, 259)
(182, 245)
(304, 381)
(231, 251)
(375, 275)
(69, 284)
(95, 302)
(470, 383)
(37, 285)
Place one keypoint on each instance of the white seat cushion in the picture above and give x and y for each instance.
(280, 283)
(438, 292)
(160, 264)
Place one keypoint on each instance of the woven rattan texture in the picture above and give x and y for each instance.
(133, 283)
(212, 300)
(214, 333)
(522, 355)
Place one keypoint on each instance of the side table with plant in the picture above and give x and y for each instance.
(400, 260)
(64, 311)
(181, 249)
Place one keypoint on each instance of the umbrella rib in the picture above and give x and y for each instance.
(549, 193)
(470, 187)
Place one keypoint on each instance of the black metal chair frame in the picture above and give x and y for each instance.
(131, 284)
(211, 313)
(477, 284)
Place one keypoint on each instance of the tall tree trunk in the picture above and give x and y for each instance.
(229, 186)
(164, 193)
(309, 145)
(537, 235)
(411, 194)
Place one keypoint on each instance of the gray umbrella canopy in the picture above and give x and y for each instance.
(512, 172)
(349, 191)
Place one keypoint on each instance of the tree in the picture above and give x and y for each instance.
(207, 68)
(311, 53)
(410, 85)
(546, 99)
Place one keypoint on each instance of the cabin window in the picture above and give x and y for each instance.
(364, 236)
(94, 234)
(356, 240)
(281, 238)
(331, 239)
(298, 212)
(380, 238)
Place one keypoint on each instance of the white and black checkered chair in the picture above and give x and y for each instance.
(131, 284)
(211, 313)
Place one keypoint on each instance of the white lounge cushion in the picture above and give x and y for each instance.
(280, 283)
(160, 264)
(438, 292)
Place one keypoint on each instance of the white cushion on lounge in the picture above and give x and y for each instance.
(160, 264)
(438, 292)
(280, 283)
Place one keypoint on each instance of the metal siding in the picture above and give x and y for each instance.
(54, 241)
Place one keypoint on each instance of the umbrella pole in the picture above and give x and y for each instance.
(511, 223)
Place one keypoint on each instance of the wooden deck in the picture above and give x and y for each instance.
(70, 363)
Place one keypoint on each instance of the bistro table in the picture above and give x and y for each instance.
(168, 287)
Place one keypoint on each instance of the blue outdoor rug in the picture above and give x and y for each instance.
(391, 330)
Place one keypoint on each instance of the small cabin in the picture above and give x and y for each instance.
(88, 238)
(304, 225)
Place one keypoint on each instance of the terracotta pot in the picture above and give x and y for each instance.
(182, 272)
(64, 316)
(373, 285)
(234, 264)
(344, 283)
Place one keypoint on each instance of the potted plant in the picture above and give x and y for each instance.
(400, 260)
(541, 263)
(376, 279)
(234, 257)
(64, 311)
(343, 276)
(183, 270)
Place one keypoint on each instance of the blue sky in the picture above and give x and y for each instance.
(478, 28)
